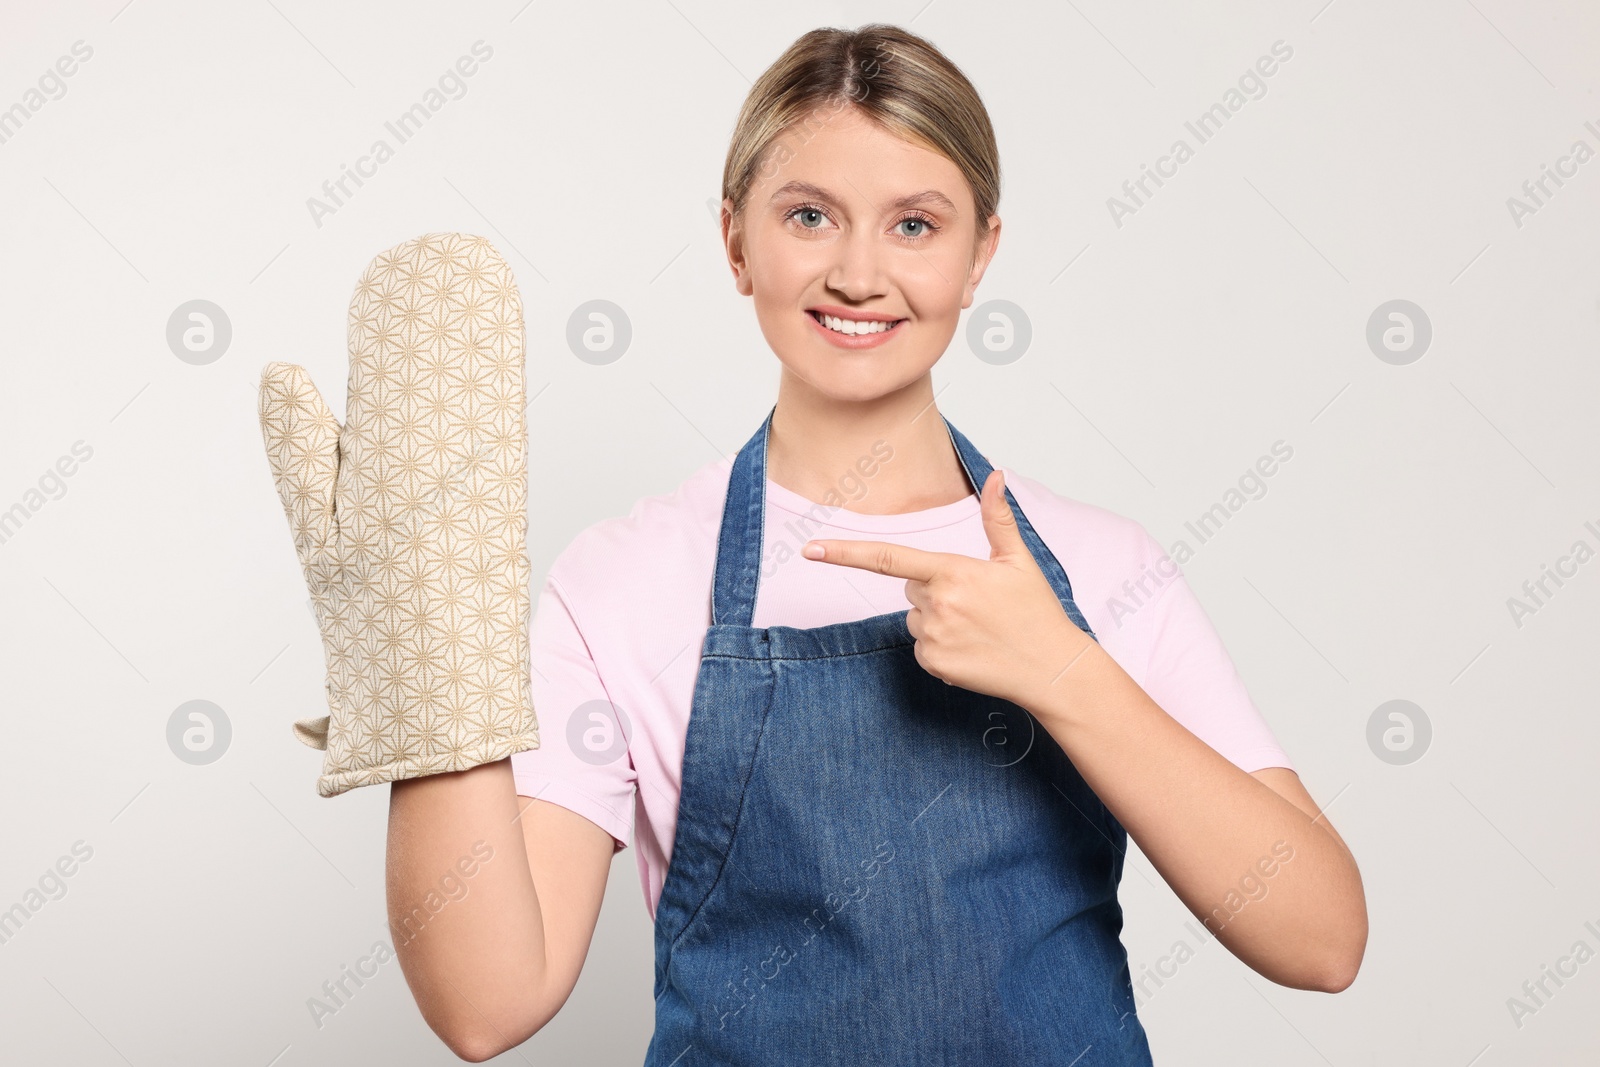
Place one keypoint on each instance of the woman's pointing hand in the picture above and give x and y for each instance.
(993, 626)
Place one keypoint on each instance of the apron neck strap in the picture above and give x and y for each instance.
(743, 534)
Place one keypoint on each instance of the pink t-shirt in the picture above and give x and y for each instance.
(618, 625)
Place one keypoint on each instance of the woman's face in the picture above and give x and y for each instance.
(846, 219)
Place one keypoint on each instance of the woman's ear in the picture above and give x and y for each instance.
(982, 255)
(733, 243)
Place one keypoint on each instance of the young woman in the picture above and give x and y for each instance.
(880, 795)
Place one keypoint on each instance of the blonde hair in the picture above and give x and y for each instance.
(891, 76)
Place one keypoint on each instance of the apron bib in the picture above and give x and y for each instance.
(871, 866)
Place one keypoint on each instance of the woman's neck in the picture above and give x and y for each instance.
(885, 456)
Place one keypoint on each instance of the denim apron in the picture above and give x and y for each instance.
(872, 866)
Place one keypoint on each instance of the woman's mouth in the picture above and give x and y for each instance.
(854, 333)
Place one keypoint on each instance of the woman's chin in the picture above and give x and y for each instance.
(853, 378)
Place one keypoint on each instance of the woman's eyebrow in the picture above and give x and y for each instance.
(928, 197)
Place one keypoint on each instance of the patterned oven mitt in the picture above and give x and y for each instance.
(410, 521)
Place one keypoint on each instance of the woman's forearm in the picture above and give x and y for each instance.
(463, 909)
(1269, 881)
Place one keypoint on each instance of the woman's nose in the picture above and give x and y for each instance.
(858, 267)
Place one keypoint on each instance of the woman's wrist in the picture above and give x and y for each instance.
(1085, 685)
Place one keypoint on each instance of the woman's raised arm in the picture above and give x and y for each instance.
(493, 900)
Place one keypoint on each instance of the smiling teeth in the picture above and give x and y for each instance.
(851, 326)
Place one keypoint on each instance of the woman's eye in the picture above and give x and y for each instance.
(815, 218)
(925, 227)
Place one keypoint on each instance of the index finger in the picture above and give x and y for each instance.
(879, 556)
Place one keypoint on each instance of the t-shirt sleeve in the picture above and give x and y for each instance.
(582, 762)
(1190, 675)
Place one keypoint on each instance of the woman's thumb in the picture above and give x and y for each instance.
(302, 440)
(1005, 540)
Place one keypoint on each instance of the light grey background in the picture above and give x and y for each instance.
(1167, 354)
